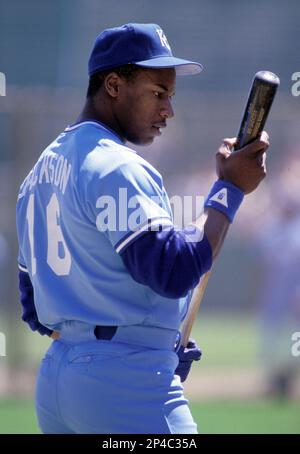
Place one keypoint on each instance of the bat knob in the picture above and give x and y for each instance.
(268, 76)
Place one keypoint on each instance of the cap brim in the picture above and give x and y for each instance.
(182, 67)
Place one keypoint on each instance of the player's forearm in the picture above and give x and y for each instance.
(216, 226)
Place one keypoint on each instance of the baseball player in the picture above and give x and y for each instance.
(103, 270)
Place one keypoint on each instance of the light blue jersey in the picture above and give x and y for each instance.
(87, 198)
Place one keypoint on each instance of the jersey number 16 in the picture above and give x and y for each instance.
(55, 240)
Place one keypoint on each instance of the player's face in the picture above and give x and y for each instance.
(144, 105)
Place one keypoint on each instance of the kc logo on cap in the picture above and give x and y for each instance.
(163, 38)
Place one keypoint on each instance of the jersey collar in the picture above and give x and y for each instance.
(95, 123)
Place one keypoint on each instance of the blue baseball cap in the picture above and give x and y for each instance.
(143, 45)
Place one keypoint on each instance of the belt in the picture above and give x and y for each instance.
(141, 335)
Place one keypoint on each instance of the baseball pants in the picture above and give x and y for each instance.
(103, 387)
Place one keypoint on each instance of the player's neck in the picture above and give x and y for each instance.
(101, 115)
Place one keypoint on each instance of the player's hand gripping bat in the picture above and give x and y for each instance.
(259, 102)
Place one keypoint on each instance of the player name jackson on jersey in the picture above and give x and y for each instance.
(51, 168)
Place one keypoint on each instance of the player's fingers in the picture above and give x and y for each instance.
(259, 145)
(230, 142)
(224, 151)
(265, 136)
(222, 154)
(264, 140)
(261, 161)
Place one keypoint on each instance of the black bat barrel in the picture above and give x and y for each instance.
(260, 99)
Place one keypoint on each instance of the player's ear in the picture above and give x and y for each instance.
(112, 84)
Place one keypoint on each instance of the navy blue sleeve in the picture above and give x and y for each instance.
(27, 300)
(167, 261)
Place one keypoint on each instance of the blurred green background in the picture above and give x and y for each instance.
(221, 417)
(248, 379)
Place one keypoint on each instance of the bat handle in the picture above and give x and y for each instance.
(193, 309)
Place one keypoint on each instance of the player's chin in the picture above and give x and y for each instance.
(148, 141)
(143, 140)
(152, 134)
(143, 135)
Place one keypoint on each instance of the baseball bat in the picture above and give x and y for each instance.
(260, 98)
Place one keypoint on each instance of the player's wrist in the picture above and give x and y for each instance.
(225, 197)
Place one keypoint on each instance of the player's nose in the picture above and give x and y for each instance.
(167, 110)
